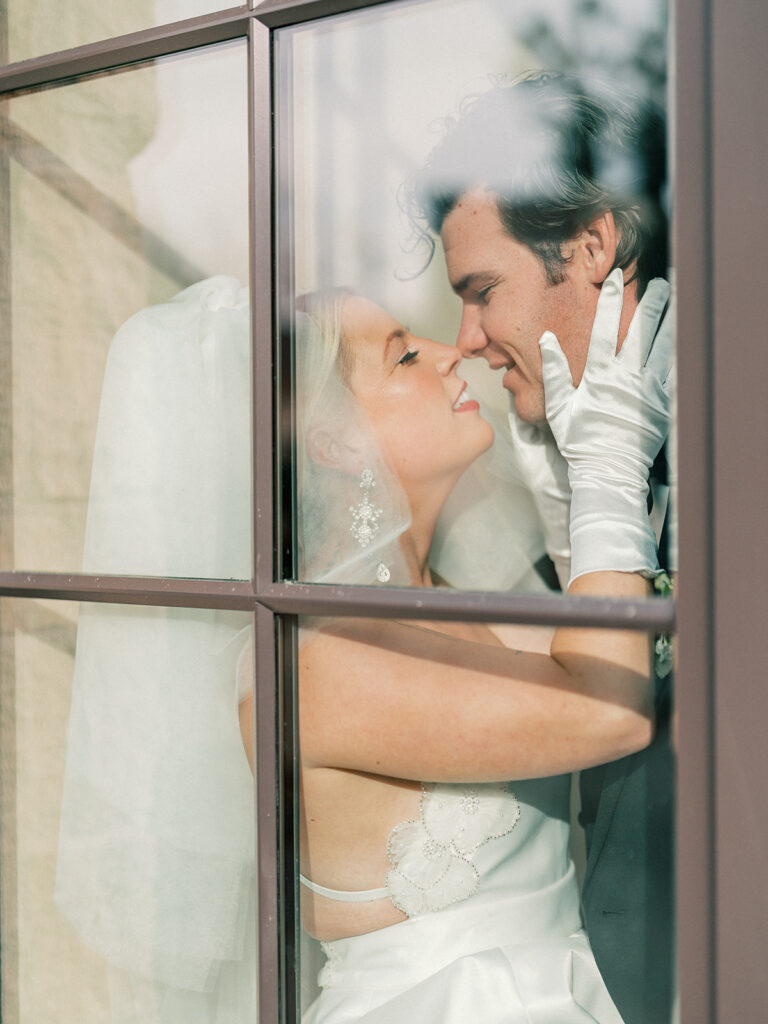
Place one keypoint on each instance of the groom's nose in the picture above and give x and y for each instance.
(472, 339)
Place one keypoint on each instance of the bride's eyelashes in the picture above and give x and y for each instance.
(409, 355)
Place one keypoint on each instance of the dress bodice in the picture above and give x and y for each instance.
(472, 838)
(469, 838)
(493, 929)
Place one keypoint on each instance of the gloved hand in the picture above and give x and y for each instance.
(544, 472)
(611, 427)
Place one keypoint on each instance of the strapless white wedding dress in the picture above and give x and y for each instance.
(494, 933)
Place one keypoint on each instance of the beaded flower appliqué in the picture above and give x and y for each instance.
(432, 858)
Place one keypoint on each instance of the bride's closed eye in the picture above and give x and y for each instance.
(409, 355)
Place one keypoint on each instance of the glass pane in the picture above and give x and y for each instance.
(479, 172)
(127, 815)
(446, 843)
(30, 30)
(126, 328)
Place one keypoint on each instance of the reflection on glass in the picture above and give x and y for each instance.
(114, 385)
(30, 30)
(545, 173)
(440, 888)
(127, 816)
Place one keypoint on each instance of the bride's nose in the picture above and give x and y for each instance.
(447, 357)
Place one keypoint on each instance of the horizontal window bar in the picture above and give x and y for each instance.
(656, 615)
(174, 593)
(277, 13)
(307, 599)
(107, 55)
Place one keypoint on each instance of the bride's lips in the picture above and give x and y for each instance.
(467, 404)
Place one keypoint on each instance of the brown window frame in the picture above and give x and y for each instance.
(720, 931)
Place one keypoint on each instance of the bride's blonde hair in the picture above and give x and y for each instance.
(331, 353)
(335, 443)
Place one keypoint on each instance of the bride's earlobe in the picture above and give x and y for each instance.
(328, 446)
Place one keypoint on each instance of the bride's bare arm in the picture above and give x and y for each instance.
(408, 702)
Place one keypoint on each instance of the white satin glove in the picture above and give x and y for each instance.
(544, 472)
(611, 427)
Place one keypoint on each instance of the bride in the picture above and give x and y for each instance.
(440, 890)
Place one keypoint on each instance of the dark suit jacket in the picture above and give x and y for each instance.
(628, 817)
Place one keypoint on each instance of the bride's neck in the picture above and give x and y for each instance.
(416, 543)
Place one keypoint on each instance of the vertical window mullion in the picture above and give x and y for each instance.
(267, 770)
(260, 87)
(269, 808)
(694, 676)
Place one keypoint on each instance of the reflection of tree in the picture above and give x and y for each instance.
(615, 42)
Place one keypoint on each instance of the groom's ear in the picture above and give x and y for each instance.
(594, 249)
(331, 445)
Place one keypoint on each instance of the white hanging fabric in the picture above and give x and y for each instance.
(155, 867)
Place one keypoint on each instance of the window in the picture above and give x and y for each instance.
(127, 177)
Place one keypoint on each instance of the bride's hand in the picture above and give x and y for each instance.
(610, 428)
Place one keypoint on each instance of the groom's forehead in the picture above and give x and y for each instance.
(476, 243)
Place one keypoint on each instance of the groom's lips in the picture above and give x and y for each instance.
(510, 378)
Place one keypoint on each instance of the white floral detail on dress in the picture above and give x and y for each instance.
(432, 858)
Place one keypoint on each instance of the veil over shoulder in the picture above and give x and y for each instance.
(155, 866)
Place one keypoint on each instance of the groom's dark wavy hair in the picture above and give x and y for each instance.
(556, 158)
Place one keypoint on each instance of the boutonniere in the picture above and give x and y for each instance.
(664, 646)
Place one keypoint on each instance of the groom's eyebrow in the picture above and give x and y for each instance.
(472, 280)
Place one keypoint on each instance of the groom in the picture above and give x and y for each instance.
(537, 192)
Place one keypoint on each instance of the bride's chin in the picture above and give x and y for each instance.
(487, 441)
(479, 449)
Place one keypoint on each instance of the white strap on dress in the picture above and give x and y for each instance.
(345, 896)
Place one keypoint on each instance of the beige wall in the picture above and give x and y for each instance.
(72, 283)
